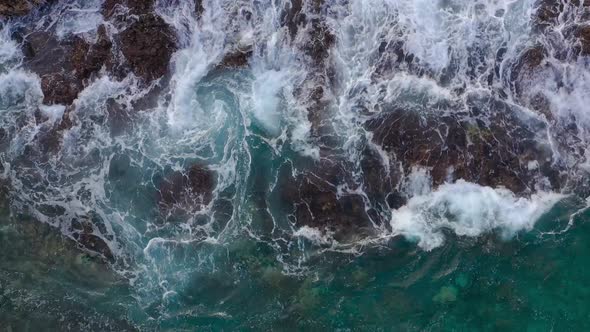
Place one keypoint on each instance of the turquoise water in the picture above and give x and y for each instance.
(535, 282)
(241, 263)
(247, 279)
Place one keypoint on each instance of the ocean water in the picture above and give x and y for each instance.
(537, 282)
(458, 256)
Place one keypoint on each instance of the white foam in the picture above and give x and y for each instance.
(205, 47)
(9, 49)
(570, 103)
(418, 182)
(404, 86)
(78, 17)
(468, 209)
(19, 86)
(53, 112)
(212, 126)
(266, 95)
(314, 235)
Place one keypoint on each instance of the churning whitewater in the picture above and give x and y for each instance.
(156, 135)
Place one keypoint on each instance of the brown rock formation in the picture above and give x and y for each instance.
(182, 193)
(311, 199)
(64, 66)
(147, 42)
(11, 8)
(148, 45)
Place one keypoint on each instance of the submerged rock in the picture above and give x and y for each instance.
(313, 199)
(91, 234)
(187, 192)
(446, 295)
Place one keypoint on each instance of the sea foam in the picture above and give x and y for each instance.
(468, 209)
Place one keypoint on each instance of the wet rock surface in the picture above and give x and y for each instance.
(314, 200)
(310, 33)
(491, 148)
(549, 13)
(496, 149)
(570, 18)
(135, 7)
(182, 193)
(236, 59)
(65, 66)
(450, 149)
(145, 41)
(148, 45)
(11, 8)
(91, 235)
(581, 34)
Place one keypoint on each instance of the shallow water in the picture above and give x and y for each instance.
(535, 283)
(455, 256)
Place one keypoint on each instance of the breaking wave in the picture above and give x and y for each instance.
(320, 96)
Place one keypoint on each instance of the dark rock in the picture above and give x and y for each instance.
(311, 198)
(320, 42)
(199, 9)
(147, 42)
(50, 136)
(90, 234)
(148, 45)
(135, 7)
(11, 8)
(548, 12)
(236, 59)
(292, 16)
(528, 63)
(96, 244)
(186, 192)
(119, 117)
(491, 155)
(319, 94)
(15, 8)
(89, 59)
(60, 88)
(64, 66)
(393, 57)
(316, 44)
(52, 61)
(378, 180)
(581, 39)
(141, 7)
(532, 57)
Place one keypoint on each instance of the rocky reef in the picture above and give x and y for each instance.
(13, 8)
(493, 126)
(188, 193)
